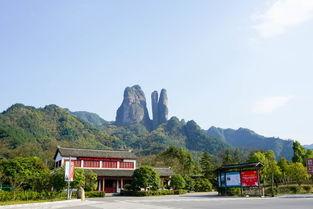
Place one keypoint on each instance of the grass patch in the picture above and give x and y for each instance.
(14, 202)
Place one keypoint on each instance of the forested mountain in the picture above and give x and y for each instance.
(246, 138)
(29, 131)
(91, 118)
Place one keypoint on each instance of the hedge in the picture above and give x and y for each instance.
(31, 195)
(94, 194)
(153, 193)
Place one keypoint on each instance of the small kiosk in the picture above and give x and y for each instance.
(242, 176)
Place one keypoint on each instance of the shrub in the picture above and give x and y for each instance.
(307, 189)
(233, 191)
(95, 194)
(178, 182)
(146, 177)
(31, 195)
(295, 189)
(202, 185)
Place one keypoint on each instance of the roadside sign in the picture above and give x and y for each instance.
(69, 171)
(233, 179)
(309, 165)
(249, 178)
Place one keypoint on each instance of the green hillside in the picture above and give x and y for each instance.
(29, 131)
(245, 138)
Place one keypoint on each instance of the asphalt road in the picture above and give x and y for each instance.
(197, 201)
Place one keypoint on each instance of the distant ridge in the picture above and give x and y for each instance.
(246, 138)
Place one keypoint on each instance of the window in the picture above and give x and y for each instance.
(109, 164)
(77, 163)
(126, 164)
(91, 164)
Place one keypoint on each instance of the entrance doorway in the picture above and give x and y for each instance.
(110, 186)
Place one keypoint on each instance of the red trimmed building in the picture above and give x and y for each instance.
(114, 168)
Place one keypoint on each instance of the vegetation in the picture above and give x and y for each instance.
(145, 177)
(83, 178)
(178, 182)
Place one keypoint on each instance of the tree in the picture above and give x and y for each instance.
(90, 180)
(297, 173)
(146, 177)
(57, 179)
(25, 173)
(207, 166)
(227, 159)
(82, 178)
(79, 178)
(178, 182)
(202, 185)
(271, 171)
(308, 154)
(180, 160)
(283, 164)
(298, 152)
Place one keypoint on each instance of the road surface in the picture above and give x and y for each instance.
(188, 201)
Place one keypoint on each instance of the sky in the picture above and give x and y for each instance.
(224, 63)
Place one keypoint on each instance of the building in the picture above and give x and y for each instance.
(114, 168)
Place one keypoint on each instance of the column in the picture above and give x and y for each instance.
(103, 184)
(122, 183)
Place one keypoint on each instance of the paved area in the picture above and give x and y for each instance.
(196, 200)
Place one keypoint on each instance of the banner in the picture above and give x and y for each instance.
(233, 179)
(309, 165)
(69, 171)
(249, 178)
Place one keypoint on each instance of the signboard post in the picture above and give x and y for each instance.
(69, 175)
(309, 165)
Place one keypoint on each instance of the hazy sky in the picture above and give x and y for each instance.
(231, 64)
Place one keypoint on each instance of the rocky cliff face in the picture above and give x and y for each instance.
(155, 109)
(133, 108)
(163, 107)
(159, 108)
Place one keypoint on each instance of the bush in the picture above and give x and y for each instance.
(31, 195)
(95, 194)
(295, 189)
(307, 189)
(233, 191)
(202, 185)
(178, 182)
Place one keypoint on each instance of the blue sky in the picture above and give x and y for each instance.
(231, 64)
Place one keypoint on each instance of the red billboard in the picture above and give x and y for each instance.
(249, 178)
(309, 165)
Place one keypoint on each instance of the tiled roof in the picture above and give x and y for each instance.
(240, 166)
(163, 172)
(73, 152)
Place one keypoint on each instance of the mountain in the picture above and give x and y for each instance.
(91, 118)
(246, 138)
(29, 131)
(134, 108)
(308, 146)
